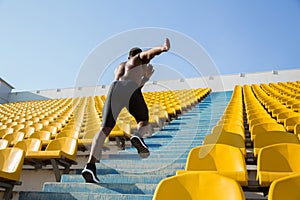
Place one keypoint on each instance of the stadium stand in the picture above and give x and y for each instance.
(255, 122)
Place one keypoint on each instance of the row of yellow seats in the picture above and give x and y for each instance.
(217, 165)
(284, 115)
(230, 128)
(61, 151)
(287, 113)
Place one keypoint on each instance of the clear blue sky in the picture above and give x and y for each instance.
(44, 43)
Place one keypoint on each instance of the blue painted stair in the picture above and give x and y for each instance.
(126, 176)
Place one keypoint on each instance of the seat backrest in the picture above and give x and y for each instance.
(285, 188)
(3, 143)
(5, 131)
(282, 157)
(198, 186)
(64, 144)
(263, 139)
(233, 128)
(29, 145)
(68, 133)
(264, 127)
(11, 162)
(215, 157)
(292, 121)
(42, 135)
(228, 138)
(261, 120)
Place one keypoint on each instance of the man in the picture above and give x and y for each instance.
(125, 91)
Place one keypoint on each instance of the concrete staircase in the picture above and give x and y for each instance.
(126, 176)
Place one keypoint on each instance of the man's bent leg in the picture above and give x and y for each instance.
(89, 171)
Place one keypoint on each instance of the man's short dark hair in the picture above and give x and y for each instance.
(134, 51)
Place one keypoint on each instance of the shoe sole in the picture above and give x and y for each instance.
(143, 151)
(88, 176)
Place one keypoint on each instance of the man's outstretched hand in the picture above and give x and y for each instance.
(166, 46)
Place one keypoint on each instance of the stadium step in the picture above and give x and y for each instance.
(126, 176)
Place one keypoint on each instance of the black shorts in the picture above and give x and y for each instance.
(124, 94)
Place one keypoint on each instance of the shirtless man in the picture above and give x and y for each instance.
(125, 91)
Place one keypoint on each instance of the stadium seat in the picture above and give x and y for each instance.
(13, 138)
(285, 188)
(287, 114)
(228, 138)
(261, 120)
(11, 163)
(5, 131)
(220, 158)
(68, 133)
(264, 139)
(61, 151)
(264, 127)
(296, 107)
(233, 128)
(277, 161)
(44, 136)
(198, 186)
(28, 131)
(291, 122)
(29, 145)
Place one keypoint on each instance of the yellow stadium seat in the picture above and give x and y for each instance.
(198, 186)
(264, 127)
(284, 115)
(228, 138)
(261, 120)
(264, 139)
(18, 127)
(61, 151)
(277, 161)
(37, 126)
(13, 138)
(51, 129)
(233, 128)
(68, 133)
(28, 131)
(291, 122)
(5, 131)
(220, 158)
(29, 145)
(296, 107)
(44, 136)
(285, 188)
(231, 121)
(11, 162)
(3, 143)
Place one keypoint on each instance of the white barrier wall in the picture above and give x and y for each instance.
(216, 83)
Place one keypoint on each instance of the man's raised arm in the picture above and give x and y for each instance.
(147, 55)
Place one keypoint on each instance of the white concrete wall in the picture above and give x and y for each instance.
(216, 83)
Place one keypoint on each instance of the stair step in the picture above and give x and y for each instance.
(79, 195)
(107, 188)
(117, 178)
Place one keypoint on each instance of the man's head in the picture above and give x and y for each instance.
(134, 51)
